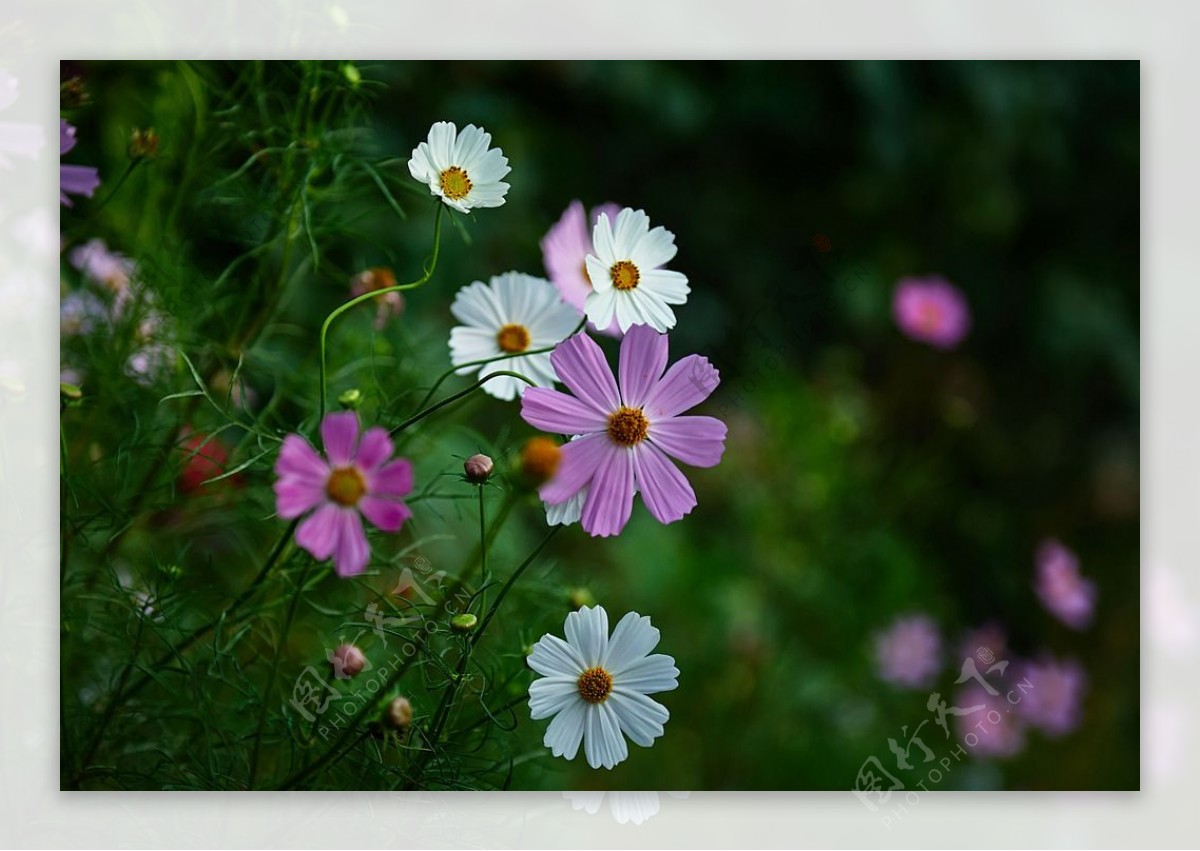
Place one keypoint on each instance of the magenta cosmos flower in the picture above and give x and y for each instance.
(73, 179)
(627, 429)
(1053, 702)
(931, 310)
(564, 251)
(1060, 587)
(909, 652)
(354, 478)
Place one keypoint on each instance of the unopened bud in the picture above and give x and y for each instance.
(70, 393)
(143, 144)
(399, 714)
(539, 459)
(352, 74)
(478, 469)
(463, 623)
(347, 661)
(580, 597)
(351, 399)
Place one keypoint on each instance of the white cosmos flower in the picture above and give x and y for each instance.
(596, 686)
(513, 313)
(460, 168)
(628, 281)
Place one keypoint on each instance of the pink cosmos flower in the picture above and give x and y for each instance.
(356, 477)
(628, 430)
(565, 249)
(73, 179)
(1054, 703)
(1064, 593)
(931, 310)
(986, 723)
(909, 652)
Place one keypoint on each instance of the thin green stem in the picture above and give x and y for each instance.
(426, 273)
(415, 418)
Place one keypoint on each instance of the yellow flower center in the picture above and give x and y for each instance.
(513, 338)
(624, 275)
(539, 458)
(455, 183)
(595, 685)
(628, 426)
(345, 486)
(930, 317)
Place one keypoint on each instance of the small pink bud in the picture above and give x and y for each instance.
(399, 714)
(347, 661)
(478, 469)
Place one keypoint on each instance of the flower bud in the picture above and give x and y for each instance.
(143, 144)
(580, 597)
(347, 661)
(539, 459)
(351, 399)
(71, 394)
(399, 714)
(478, 469)
(463, 623)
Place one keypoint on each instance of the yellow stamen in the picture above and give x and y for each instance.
(345, 486)
(455, 183)
(595, 685)
(625, 275)
(513, 338)
(628, 426)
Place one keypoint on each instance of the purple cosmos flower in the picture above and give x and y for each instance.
(73, 179)
(1064, 593)
(931, 310)
(356, 477)
(986, 723)
(565, 249)
(626, 428)
(909, 652)
(1054, 703)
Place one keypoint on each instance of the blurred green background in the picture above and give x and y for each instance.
(866, 475)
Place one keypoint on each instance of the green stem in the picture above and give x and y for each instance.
(415, 418)
(426, 273)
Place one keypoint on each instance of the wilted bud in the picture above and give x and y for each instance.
(539, 459)
(463, 623)
(143, 144)
(580, 597)
(347, 661)
(351, 399)
(478, 469)
(399, 714)
(72, 94)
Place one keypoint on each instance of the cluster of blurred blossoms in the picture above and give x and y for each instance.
(613, 435)
(1043, 693)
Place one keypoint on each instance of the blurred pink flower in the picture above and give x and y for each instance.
(995, 729)
(909, 652)
(73, 179)
(378, 278)
(987, 644)
(1064, 593)
(354, 478)
(1054, 703)
(931, 310)
(564, 251)
(111, 269)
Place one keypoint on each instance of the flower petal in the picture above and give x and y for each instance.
(643, 359)
(339, 434)
(394, 479)
(641, 718)
(319, 533)
(633, 638)
(610, 499)
(558, 413)
(580, 460)
(668, 286)
(352, 552)
(554, 657)
(699, 441)
(579, 363)
(687, 383)
(297, 459)
(386, 514)
(602, 242)
(664, 489)
(375, 448)
(294, 496)
(551, 695)
(587, 632)
(630, 226)
(649, 675)
(566, 730)
(602, 740)
(653, 249)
